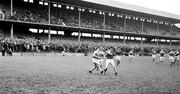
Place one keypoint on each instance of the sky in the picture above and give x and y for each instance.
(171, 6)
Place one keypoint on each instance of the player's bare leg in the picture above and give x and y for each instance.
(100, 68)
(172, 63)
(95, 66)
(114, 67)
(153, 59)
(113, 64)
(105, 69)
(118, 62)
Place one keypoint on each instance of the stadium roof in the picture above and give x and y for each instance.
(114, 6)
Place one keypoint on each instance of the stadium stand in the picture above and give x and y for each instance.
(66, 17)
(30, 13)
(133, 26)
(114, 23)
(91, 20)
(69, 16)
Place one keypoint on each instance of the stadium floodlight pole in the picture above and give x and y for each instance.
(157, 33)
(125, 24)
(49, 10)
(12, 26)
(49, 34)
(11, 7)
(171, 28)
(124, 39)
(142, 32)
(104, 21)
(157, 42)
(79, 33)
(171, 43)
(79, 36)
(79, 18)
(104, 24)
(157, 27)
(125, 29)
(104, 37)
(171, 32)
(12, 31)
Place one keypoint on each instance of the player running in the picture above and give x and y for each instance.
(161, 59)
(172, 57)
(109, 60)
(98, 58)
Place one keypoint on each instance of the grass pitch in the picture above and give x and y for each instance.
(69, 75)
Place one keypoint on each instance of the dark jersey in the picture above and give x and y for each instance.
(176, 53)
(119, 53)
(171, 53)
(109, 55)
(131, 53)
(162, 54)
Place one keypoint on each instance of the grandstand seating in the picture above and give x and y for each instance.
(31, 14)
(175, 32)
(133, 26)
(114, 23)
(91, 20)
(70, 17)
(65, 17)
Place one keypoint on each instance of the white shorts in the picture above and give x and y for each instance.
(131, 56)
(177, 57)
(97, 61)
(161, 58)
(118, 57)
(172, 59)
(153, 56)
(110, 61)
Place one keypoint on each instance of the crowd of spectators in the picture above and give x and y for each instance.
(92, 20)
(30, 14)
(114, 23)
(134, 26)
(59, 44)
(64, 17)
(70, 17)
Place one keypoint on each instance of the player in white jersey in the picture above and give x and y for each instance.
(161, 59)
(98, 58)
(154, 55)
(110, 60)
(131, 56)
(172, 57)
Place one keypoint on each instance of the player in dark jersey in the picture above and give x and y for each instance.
(118, 55)
(177, 56)
(161, 59)
(109, 60)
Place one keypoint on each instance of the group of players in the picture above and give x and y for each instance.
(101, 55)
(113, 57)
(173, 56)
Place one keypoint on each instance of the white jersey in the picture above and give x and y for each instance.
(98, 57)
